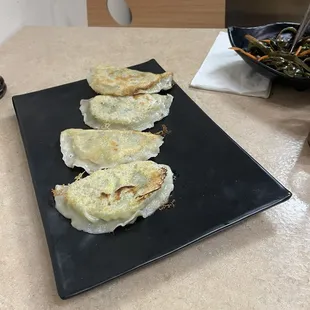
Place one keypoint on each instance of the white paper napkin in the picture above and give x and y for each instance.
(225, 71)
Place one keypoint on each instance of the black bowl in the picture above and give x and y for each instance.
(237, 39)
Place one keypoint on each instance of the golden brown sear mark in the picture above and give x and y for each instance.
(125, 189)
(168, 205)
(125, 77)
(104, 195)
(59, 192)
(164, 131)
(158, 182)
(114, 145)
(79, 176)
(118, 192)
(135, 89)
(55, 192)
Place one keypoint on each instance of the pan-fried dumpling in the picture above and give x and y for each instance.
(114, 197)
(108, 80)
(97, 149)
(132, 112)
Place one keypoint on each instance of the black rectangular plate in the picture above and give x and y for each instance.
(217, 184)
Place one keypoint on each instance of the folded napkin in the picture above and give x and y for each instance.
(224, 70)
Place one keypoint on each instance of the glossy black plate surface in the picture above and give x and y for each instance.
(237, 39)
(217, 184)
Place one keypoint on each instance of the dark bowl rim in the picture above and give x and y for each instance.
(263, 26)
(276, 72)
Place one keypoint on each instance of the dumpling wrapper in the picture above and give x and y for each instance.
(109, 80)
(133, 112)
(97, 149)
(114, 197)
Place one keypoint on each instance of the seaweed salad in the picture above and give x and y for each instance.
(275, 53)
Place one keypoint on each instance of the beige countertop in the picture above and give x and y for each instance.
(262, 263)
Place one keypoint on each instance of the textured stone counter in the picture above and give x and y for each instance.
(262, 263)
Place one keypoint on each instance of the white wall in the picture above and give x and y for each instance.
(16, 13)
